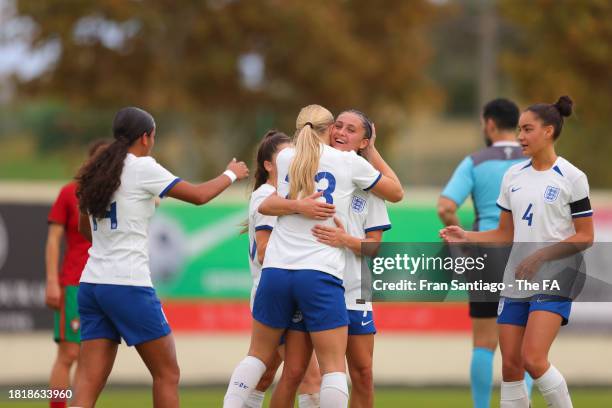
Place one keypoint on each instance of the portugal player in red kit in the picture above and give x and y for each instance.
(63, 284)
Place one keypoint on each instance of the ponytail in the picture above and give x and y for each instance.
(312, 123)
(100, 176)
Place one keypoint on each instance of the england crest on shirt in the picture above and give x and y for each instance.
(551, 194)
(358, 204)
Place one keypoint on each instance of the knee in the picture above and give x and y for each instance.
(293, 375)
(512, 368)
(312, 379)
(170, 375)
(362, 377)
(534, 363)
(68, 355)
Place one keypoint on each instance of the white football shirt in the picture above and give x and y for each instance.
(367, 213)
(119, 251)
(292, 245)
(543, 205)
(258, 222)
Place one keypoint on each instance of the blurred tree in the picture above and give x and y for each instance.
(235, 68)
(566, 48)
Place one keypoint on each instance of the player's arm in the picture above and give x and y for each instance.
(504, 233)
(202, 193)
(339, 238)
(84, 226)
(455, 192)
(447, 211)
(580, 241)
(55, 235)
(309, 207)
(261, 238)
(389, 187)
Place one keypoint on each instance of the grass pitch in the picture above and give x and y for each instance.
(385, 398)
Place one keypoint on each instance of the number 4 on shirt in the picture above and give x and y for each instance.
(528, 216)
(112, 214)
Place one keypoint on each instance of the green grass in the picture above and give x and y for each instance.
(385, 397)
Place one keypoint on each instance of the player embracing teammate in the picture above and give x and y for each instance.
(300, 273)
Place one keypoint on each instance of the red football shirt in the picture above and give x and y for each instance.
(65, 211)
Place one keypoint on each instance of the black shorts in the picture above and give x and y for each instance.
(481, 310)
(483, 304)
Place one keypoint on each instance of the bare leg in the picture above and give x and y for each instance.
(266, 380)
(67, 355)
(311, 383)
(298, 351)
(541, 331)
(159, 356)
(359, 354)
(330, 348)
(510, 344)
(96, 361)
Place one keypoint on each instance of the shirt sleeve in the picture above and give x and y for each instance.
(378, 217)
(59, 210)
(155, 179)
(461, 183)
(263, 222)
(282, 169)
(580, 204)
(503, 201)
(363, 174)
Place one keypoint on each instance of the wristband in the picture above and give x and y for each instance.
(233, 177)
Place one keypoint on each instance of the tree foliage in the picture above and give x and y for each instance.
(566, 48)
(184, 55)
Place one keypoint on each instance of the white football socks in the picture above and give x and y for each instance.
(334, 390)
(309, 400)
(256, 399)
(553, 387)
(514, 395)
(243, 381)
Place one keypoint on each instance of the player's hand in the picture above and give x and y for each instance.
(529, 266)
(240, 169)
(453, 234)
(332, 236)
(53, 294)
(312, 207)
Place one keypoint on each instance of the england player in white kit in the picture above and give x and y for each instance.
(259, 229)
(301, 273)
(367, 221)
(117, 191)
(544, 201)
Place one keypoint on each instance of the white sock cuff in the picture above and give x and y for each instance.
(513, 390)
(335, 380)
(255, 400)
(551, 379)
(255, 363)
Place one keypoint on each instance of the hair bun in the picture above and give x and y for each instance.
(564, 105)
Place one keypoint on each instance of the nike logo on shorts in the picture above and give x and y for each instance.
(366, 323)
